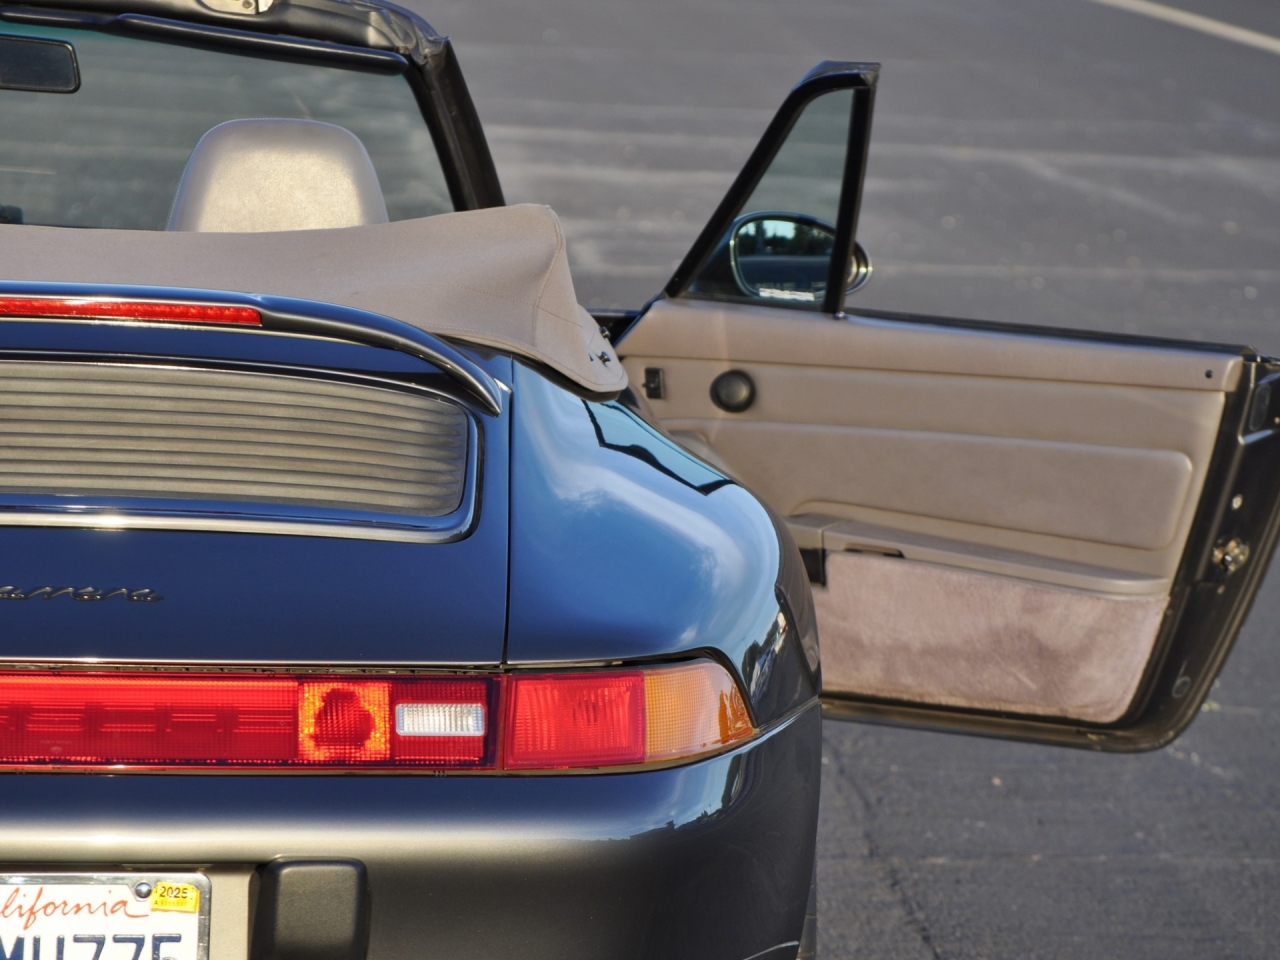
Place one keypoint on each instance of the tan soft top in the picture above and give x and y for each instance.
(497, 277)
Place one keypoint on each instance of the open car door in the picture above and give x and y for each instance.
(1041, 534)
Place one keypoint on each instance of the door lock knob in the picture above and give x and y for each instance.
(733, 391)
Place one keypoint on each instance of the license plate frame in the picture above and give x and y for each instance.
(16, 891)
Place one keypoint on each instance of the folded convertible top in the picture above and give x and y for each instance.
(498, 277)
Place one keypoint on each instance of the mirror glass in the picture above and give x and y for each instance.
(40, 66)
(782, 257)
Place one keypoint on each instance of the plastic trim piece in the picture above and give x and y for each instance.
(311, 910)
(834, 534)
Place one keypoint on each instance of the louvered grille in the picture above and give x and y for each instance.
(147, 431)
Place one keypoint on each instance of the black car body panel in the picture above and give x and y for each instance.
(709, 861)
(258, 598)
(225, 599)
(615, 558)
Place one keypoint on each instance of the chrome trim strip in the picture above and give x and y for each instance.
(420, 344)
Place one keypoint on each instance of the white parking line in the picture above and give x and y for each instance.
(1193, 21)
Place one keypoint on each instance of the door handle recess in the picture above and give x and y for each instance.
(733, 391)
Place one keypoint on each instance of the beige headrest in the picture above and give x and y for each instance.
(255, 176)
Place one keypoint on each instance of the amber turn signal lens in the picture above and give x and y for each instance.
(344, 722)
(692, 709)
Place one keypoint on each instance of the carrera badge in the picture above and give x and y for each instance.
(142, 595)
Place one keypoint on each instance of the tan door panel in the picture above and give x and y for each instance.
(1111, 495)
(707, 329)
(1016, 503)
(1006, 440)
(1049, 535)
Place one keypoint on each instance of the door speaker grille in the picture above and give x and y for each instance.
(111, 430)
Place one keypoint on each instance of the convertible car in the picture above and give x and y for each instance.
(366, 598)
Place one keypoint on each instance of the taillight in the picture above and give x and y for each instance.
(280, 721)
(550, 721)
(612, 718)
(575, 720)
(87, 308)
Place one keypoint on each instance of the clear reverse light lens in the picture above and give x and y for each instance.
(440, 719)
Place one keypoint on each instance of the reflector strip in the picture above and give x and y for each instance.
(145, 310)
(274, 721)
(106, 719)
(440, 719)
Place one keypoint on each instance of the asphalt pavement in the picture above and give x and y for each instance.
(1051, 162)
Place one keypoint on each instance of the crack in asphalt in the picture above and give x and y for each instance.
(884, 865)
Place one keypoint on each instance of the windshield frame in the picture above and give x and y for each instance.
(429, 65)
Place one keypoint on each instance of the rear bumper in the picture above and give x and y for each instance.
(710, 860)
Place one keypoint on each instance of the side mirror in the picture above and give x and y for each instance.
(811, 158)
(787, 256)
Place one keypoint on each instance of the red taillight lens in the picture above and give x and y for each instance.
(551, 721)
(158, 720)
(64, 308)
(141, 719)
(567, 720)
(614, 718)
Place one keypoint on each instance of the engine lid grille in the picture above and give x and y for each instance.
(271, 441)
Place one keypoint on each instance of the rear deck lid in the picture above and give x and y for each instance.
(191, 495)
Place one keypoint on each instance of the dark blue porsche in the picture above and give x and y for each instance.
(363, 596)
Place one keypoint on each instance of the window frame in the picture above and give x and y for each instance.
(825, 78)
(434, 78)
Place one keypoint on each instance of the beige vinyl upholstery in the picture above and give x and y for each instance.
(256, 176)
(1017, 503)
(497, 277)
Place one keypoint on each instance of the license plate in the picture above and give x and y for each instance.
(75, 916)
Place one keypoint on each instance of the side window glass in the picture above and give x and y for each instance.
(778, 247)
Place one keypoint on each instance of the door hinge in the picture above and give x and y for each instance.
(1231, 555)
